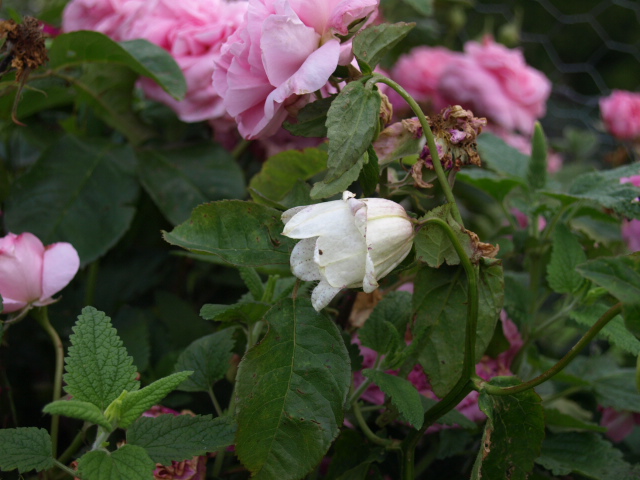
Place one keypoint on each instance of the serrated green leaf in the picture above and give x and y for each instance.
(97, 365)
(276, 182)
(208, 359)
(555, 418)
(180, 179)
(440, 303)
(537, 174)
(502, 158)
(372, 43)
(143, 57)
(384, 329)
(311, 119)
(352, 121)
(174, 438)
(77, 409)
(586, 454)
(136, 403)
(370, 174)
(253, 281)
(614, 331)
(129, 462)
(404, 395)
(25, 449)
(79, 191)
(512, 435)
(240, 233)
(325, 189)
(567, 253)
(291, 388)
(246, 312)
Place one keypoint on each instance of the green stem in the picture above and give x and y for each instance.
(75, 445)
(362, 423)
(563, 362)
(66, 469)
(42, 316)
(92, 281)
(240, 148)
(219, 462)
(431, 141)
(214, 400)
(378, 365)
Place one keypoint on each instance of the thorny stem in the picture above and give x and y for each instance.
(431, 141)
(563, 362)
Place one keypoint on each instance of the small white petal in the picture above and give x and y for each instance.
(302, 264)
(369, 283)
(341, 259)
(323, 218)
(346, 195)
(288, 215)
(322, 295)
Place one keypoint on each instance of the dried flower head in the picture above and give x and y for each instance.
(24, 46)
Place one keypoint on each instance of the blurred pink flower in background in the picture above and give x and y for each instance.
(30, 273)
(496, 82)
(619, 424)
(621, 114)
(631, 228)
(285, 50)
(633, 180)
(104, 16)
(523, 144)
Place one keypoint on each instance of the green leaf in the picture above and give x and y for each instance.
(502, 158)
(537, 174)
(370, 174)
(424, 7)
(433, 245)
(136, 403)
(77, 409)
(276, 184)
(129, 462)
(311, 119)
(25, 449)
(208, 358)
(614, 331)
(451, 418)
(586, 454)
(440, 303)
(240, 233)
(178, 180)
(372, 44)
(189, 327)
(80, 192)
(566, 255)
(98, 366)
(384, 329)
(174, 438)
(291, 388)
(403, 395)
(350, 449)
(555, 418)
(489, 182)
(352, 122)
(326, 188)
(512, 435)
(253, 281)
(143, 57)
(247, 312)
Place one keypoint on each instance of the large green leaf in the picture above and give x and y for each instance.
(79, 191)
(372, 43)
(129, 462)
(25, 449)
(180, 179)
(143, 57)
(329, 188)
(512, 435)
(567, 253)
(291, 389)
(440, 302)
(276, 183)
(311, 119)
(240, 233)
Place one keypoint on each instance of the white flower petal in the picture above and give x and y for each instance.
(332, 218)
(341, 260)
(302, 264)
(322, 295)
(288, 215)
(369, 283)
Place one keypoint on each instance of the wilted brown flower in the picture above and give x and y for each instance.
(24, 46)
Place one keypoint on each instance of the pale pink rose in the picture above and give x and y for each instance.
(284, 51)
(419, 73)
(619, 424)
(631, 234)
(192, 31)
(30, 273)
(496, 82)
(105, 16)
(621, 114)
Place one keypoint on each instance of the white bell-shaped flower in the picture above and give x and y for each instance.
(347, 243)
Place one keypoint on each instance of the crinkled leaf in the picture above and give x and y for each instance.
(253, 281)
(137, 402)
(208, 359)
(291, 388)
(143, 57)
(352, 121)
(178, 180)
(246, 312)
(173, 438)
(277, 184)
(98, 366)
(326, 188)
(311, 119)
(567, 253)
(77, 409)
(80, 191)
(25, 449)
(129, 462)
(404, 395)
(614, 331)
(512, 435)
(372, 43)
(586, 454)
(384, 329)
(240, 233)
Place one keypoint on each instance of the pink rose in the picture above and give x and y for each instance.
(631, 234)
(419, 73)
(284, 51)
(621, 114)
(30, 273)
(104, 16)
(619, 424)
(495, 82)
(633, 180)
